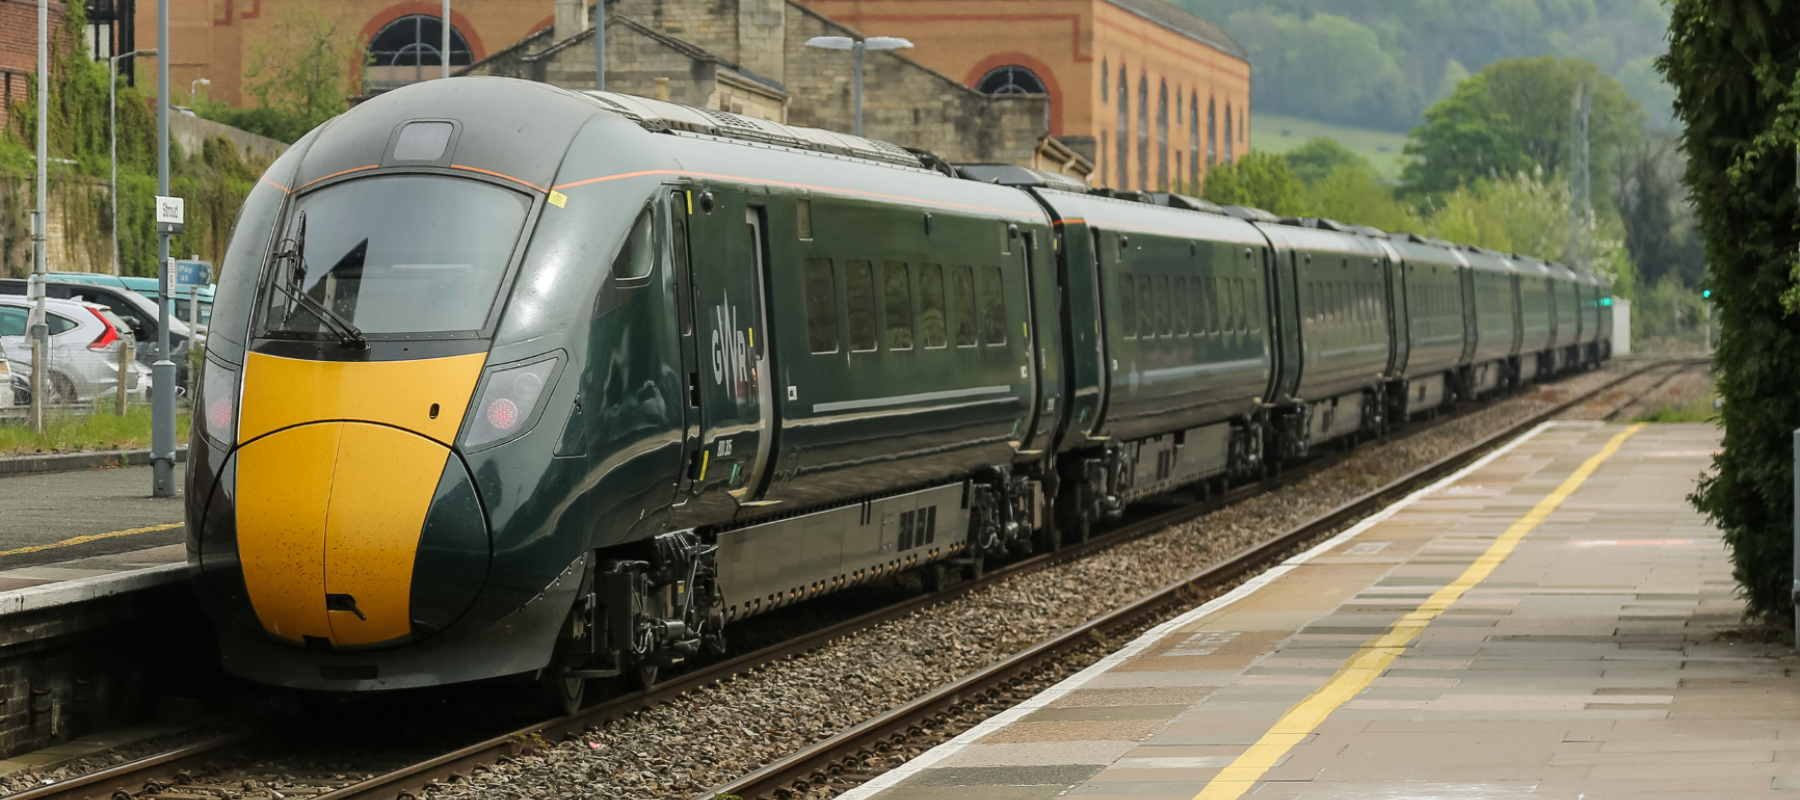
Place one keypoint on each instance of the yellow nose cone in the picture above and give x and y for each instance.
(328, 521)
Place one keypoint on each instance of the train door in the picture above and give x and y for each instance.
(1035, 431)
(728, 255)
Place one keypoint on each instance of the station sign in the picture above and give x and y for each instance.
(171, 213)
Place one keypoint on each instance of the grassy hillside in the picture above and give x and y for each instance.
(1278, 134)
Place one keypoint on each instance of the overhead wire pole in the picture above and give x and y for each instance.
(40, 329)
(599, 45)
(444, 53)
(162, 408)
(1580, 186)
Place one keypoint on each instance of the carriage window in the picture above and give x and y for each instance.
(1127, 306)
(993, 306)
(931, 304)
(1146, 321)
(803, 218)
(821, 306)
(859, 289)
(1178, 299)
(962, 279)
(896, 301)
(1256, 304)
(1163, 314)
(638, 254)
(1197, 304)
(684, 308)
(1238, 313)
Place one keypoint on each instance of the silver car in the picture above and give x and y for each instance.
(86, 340)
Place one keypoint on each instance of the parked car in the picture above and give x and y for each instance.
(86, 340)
(8, 399)
(138, 312)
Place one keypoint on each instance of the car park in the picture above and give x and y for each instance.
(138, 312)
(86, 341)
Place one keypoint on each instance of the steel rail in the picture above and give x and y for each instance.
(117, 781)
(819, 762)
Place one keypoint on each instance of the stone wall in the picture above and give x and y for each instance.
(192, 132)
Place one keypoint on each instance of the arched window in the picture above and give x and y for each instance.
(1193, 142)
(1229, 159)
(1010, 79)
(1162, 137)
(1212, 132)
(1103, 79)
(1143, 121)
(1124, 131)
(1100, 157)
(1243, 117)
(403, 49)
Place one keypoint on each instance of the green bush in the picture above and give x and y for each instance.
(1735, 66)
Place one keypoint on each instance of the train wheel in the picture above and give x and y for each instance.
(561, 694)
(934, 577)
(1080, 529)
(977, 564)
(641, 675)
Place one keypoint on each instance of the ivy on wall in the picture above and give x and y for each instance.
(214, 181)
(1734, 66)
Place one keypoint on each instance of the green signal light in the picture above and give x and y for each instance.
(1706, 293)
(1606, 301)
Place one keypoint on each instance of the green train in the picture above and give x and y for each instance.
(509, 380)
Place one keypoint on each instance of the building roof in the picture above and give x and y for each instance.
(1167, 15)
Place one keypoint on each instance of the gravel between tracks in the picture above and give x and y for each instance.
(716, 734)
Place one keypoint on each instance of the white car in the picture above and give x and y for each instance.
(86, 340)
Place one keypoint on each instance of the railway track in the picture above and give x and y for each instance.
(193, 772)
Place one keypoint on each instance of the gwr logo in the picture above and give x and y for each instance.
(730, 355)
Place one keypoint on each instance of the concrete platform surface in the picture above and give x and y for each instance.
(64, 525)
(1549, 623)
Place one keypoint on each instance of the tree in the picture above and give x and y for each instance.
(1657, 220)
(1350, 194)
(1735, 66)
(1259, 179)
(298, 76)
(1312, 161)
(1464, 139)
(1535, 95)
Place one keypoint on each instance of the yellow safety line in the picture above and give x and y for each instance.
(89, 538)
(1375, 656)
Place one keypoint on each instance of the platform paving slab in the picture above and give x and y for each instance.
(1587, 664)
(67, 526)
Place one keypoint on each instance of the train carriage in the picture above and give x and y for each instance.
(1490, 293)
(1433, 315)
(1566, 286)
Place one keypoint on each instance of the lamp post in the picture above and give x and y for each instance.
(39, 327)
(444, 53)
(192, 87)
(112, 111)
(162, 399)
(857, 46)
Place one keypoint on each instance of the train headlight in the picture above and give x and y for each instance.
(219, 391)
(508, 402)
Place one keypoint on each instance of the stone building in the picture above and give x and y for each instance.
(1152, 94)
(18, 50)
(750, 57)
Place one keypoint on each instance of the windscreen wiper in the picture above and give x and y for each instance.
(348, 334)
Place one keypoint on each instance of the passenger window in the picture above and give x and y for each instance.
(684, 311)
(1127, 306)
(821, 306)
(1163, 315)
(1197, 304)
(993, 306)
(1146, 321)
(12, 321)
(896, 301)
(931, 304)
(803, 218)
(1237, 304)
(638, 254)
(859, 289)
(59, 324)
(962, 278)
(1178, 300)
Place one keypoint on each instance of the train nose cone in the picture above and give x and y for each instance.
(338, 465)
(329, 519)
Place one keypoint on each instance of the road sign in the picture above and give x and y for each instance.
(171, 213)
(193, 273)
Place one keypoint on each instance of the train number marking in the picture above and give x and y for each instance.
(724, 448)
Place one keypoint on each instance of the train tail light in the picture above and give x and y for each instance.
(509, 402)
(219, 399)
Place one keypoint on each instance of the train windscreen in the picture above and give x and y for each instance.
(398, 254)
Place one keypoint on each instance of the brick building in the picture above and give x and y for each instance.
(18, 49)
(1152, 94)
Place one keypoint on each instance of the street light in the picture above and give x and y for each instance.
(857, 46)
(196, 82)
(112, 110)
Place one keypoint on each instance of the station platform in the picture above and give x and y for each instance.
(1554, 621)
(84, 525)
